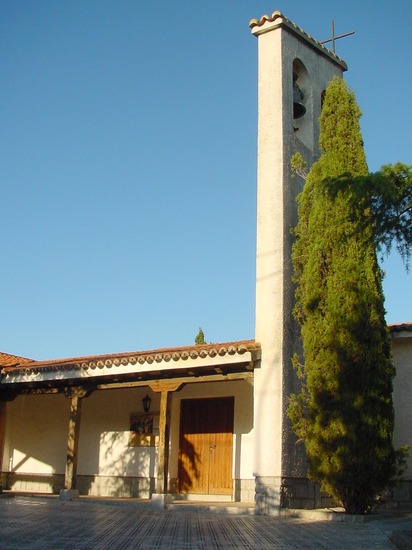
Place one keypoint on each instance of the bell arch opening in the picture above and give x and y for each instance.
(302, 104)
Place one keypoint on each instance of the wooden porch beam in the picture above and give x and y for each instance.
(154, 384)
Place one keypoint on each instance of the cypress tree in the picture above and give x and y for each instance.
(344, 413)
(200, 337)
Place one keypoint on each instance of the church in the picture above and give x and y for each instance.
(204, 422)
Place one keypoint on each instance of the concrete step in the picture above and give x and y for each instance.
(236, 508)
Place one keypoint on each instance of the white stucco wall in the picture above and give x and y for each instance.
(402, 393)
(104, 434)
(36, 434)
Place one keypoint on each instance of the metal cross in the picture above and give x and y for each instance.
(336, 37)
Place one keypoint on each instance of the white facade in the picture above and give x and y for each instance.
(402, 389)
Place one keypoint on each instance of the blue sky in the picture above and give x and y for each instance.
(128, 155)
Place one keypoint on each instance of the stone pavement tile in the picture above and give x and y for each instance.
(402, 539)
(397, 526)
(34, 523)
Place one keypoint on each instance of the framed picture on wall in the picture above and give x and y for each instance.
(141, 430)
(141, 424)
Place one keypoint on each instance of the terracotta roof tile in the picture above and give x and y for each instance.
(400, 327)
(8, 360)
(157, 355)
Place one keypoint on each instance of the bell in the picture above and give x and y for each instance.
(298, 108)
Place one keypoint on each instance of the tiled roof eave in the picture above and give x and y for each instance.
(145, 360)
(401, 330)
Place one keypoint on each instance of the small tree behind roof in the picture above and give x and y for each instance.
(200, 338)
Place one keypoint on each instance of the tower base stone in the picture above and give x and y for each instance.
(267, 496)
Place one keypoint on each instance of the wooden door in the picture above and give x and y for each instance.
(206, 446)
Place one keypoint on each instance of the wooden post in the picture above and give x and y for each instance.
(163, 452)
(6, 396)
(73, 443)
(165, 388)
(2, 436)
(76, 395)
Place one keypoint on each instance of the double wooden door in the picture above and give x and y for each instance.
(206, 446)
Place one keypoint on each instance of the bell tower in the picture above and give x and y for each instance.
(293, 72)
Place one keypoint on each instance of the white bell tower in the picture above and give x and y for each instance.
(293, 68)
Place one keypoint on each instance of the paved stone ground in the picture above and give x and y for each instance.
(41, 523)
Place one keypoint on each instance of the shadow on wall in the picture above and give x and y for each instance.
(111, 463)
(125, 471)
(267, 499)
(189, 465)
(36, 442)
(36, 447)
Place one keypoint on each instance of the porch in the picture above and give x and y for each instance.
(68, 425)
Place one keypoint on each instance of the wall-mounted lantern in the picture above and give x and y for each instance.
(147, 401)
